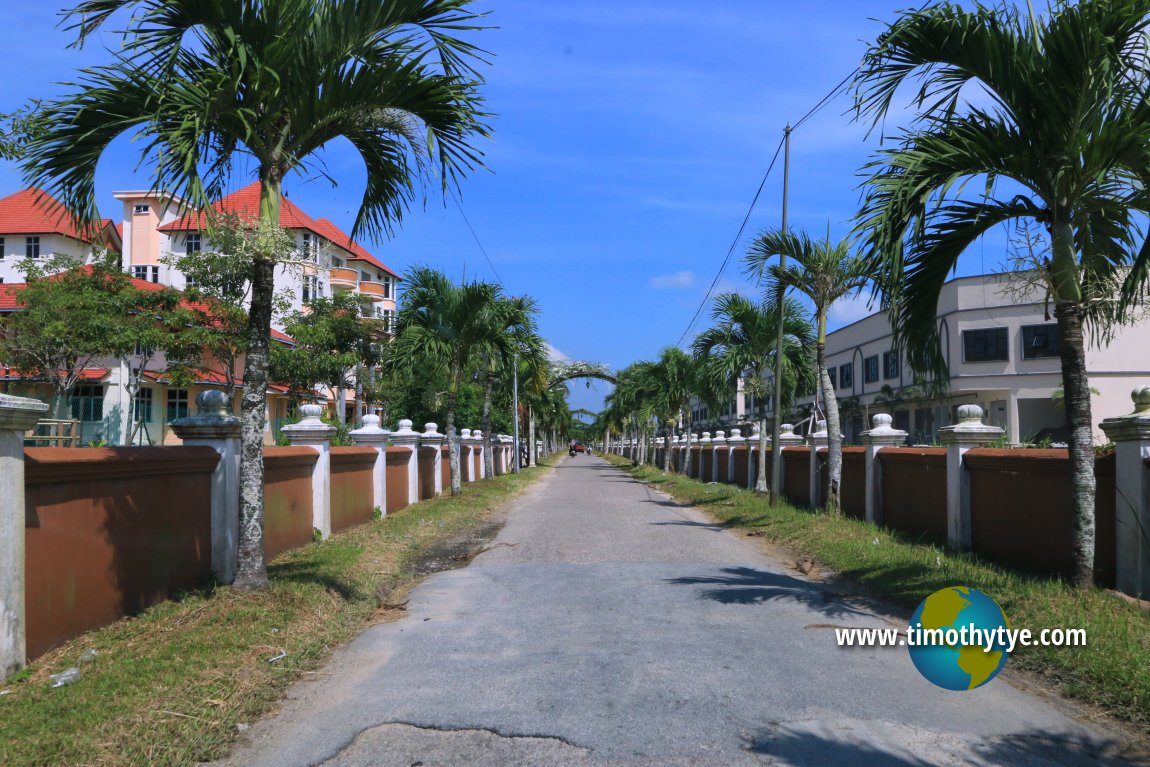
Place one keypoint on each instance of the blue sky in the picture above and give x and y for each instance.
(630, 139)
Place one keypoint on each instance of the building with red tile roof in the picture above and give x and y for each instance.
(34, 225)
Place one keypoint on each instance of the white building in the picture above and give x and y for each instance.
(34, 226)
(1001, 349)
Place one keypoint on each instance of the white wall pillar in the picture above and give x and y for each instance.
(704, 454)
(17, 415)
(816, 441)
(969, 432)
(431, 439)
(879, 436)
(216, 427)
(736, 440)
(477, 435)
(718, 453)
(371, 435)
(1131, 436)
(408, 438)
(314, 433)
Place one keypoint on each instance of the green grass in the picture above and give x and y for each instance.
(170, 686)
(1111, 672)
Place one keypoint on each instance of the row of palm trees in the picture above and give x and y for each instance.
(741, 346)
(1017, 118)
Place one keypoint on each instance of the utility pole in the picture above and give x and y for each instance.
(776, 461)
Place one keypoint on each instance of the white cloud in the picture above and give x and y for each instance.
(850, 309)
(676, 280)
(554, 354)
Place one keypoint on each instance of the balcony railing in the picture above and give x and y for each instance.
(374, 290)
(343, 278)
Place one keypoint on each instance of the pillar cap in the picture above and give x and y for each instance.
(310, 428)
(404, 435)
(881, 433)
(970, 430)
(819, 437)
(1136, 425)
(20, 413)
(370, 433)
(787, 435)
(212, 419)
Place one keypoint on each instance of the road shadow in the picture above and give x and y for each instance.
(686, 522)
(887, 744)
(748, 586)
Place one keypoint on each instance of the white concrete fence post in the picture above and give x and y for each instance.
(465, 457)
(17, 415)
(214, 425)
(481, 472)
(408, 439)
(735, 441)
(1131, 437)
(817, 440)
(371, 435)
(969, 432)
(787, 438)
(752, 452)
(431, 439)
(718, 452)
(875, 439)
(312, 432)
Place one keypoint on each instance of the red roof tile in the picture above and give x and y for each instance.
(246, 204)
(32, 211)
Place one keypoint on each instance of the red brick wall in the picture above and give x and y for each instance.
(796, 475)
(914, 490)
(397, 458)
(287, 498)
(853, 484)
(352, 491)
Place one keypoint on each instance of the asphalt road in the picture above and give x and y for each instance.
(609, 626)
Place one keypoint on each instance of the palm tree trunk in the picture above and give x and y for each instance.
(488, 458)
(1079, 422)
(667, 446)
(761, 473)
(531, 457)
(457, 488)
(340, 405)
(686, 450)
(834, 433)
(251, 567)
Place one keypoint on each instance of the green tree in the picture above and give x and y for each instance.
(516, 340)
(824, 273)
(1061, 138)
(441, 325)
(332, 340)
(743, 343)
(275, 80)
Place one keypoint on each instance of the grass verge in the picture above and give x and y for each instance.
(1111, 672)
(172, 685)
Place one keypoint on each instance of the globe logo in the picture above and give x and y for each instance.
(958, 638)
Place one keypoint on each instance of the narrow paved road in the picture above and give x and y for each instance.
(609, 626)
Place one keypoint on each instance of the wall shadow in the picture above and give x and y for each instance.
(748, 586)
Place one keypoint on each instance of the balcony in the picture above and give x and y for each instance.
(343, 278)
(376, 291)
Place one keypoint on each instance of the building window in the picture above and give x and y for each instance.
(1, 247)
(310, 247)
(846, 375)
(31, 247)
(88, 402)
(146, 273)
(192, 244)
(870, 369)
(388, 316)
(177, 404)
(1039, 341)
(834, 375)
(889, 365)
(144, 405)
(312, 288)
(387, 287)
(337, 262)
(141, 210)
(989, 345)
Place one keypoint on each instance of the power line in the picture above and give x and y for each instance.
(734, 244)
(477, 242)
(742, 227)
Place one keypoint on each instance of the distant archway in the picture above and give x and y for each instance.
(563, 372)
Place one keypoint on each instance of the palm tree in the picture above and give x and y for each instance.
(1061, 139)
(824, 273)
(275, 80)
(442, 325)
(516, 343)
(743, 343)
